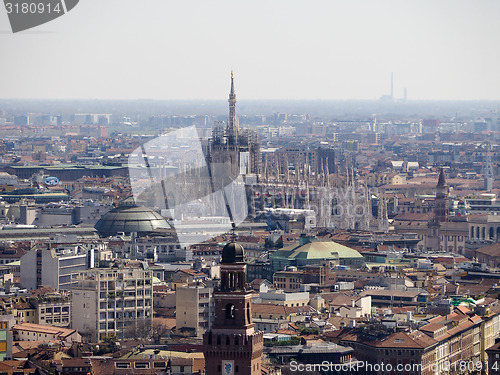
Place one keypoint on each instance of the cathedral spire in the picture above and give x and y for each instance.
(232, 126)
(232, 86)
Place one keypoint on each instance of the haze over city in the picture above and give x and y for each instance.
(279, 50)
(254, 188)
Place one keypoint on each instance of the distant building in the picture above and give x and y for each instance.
(237, 149)
(8, 179)
(278, 297)
(313, 252)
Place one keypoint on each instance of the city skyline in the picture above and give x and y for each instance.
(283, 50)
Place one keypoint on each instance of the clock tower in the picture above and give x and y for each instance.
(232, 346)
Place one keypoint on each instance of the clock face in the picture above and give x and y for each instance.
(228, 367)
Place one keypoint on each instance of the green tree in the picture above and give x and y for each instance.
(269, 243)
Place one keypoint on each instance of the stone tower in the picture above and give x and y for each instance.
(433, 241)
(442, 192)
(232, 346)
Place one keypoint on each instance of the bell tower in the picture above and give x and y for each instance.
(442, 192)
(232, 346)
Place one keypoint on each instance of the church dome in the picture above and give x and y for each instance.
(128, 219)
(233, 253)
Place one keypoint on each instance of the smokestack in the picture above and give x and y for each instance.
(405, 95)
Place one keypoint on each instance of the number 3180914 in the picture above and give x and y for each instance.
(25, 8)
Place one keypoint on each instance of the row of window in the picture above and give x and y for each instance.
(56, 320)
(55, 310)
(142, 365)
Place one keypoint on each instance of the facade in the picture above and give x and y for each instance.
(412, 353)
(290, 281)
(494, 359)
(489, 255)
(490, 327)
(112, 301)
(319, 160)
(158, 249)
(195, 309)
(20, 308)
(232, 345)
(438, 347)
(278, 297)
(39, 332)
(53, 267)
(6, 324)
(52, 309)
(484, 227)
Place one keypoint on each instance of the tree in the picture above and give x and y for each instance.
(269, 243)
(279, 243)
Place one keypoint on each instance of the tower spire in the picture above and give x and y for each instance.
(232, 126)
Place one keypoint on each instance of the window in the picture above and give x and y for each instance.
(230, 311)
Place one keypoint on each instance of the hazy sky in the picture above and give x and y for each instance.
(279, 49)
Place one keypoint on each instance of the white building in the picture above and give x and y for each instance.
(279, 297)
(112, 301)
(53, 267)
(195, 309)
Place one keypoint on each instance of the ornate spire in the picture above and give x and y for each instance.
(232, 126)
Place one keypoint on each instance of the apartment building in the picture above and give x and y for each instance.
(442, 344)
(489, 311)
(112, 301)
(52, 309)
(53, 266)
(6, 324)
(291, 279)
(195, 309)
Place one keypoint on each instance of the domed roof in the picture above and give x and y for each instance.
(233, 253)
(128, 219)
